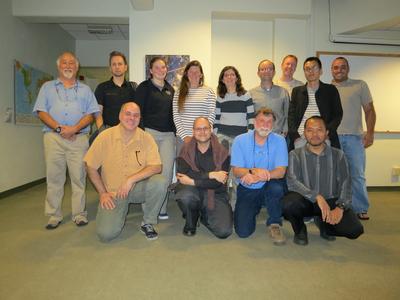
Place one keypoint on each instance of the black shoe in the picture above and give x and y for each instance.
(189, 231)
(322, 230)
(301, 238)
(149, 231)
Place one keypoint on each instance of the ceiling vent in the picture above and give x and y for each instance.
(100, 29)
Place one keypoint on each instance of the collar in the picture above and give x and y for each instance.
(118, 134)
(58, 82)
(343, 83)
(112, 83)
(323, 153)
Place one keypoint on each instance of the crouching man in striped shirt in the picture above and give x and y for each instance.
(319, 185)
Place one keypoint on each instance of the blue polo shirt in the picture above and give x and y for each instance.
(66, 105)
(247, 154)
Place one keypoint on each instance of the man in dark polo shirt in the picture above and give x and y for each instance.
(112, 94)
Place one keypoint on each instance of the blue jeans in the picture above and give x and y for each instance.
(353, 148)
(250, 201)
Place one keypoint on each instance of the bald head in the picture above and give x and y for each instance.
(129, 116)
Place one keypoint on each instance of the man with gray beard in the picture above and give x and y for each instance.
(66, 107)
(259, 161)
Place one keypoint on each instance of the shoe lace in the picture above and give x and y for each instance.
(276, 231)
(148, 228)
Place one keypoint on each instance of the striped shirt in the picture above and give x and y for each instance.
(234, 114)
(326, 174)
(312, 109)
(199, 102)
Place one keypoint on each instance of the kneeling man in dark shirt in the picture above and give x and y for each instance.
(202, 171)
(319, 185)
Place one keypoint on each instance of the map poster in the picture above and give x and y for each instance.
(176, 65)
(27, 83)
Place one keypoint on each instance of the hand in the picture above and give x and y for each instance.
(107, 201)
(263, 174)
(325, 209)
(336, 216)
(68, 132)
(187, 139)
(368, 139)
(220, 176)
(184, 179)
(125, 188)
(249, 179)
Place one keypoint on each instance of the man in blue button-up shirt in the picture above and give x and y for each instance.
(66, 107)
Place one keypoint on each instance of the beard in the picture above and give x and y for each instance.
(263, 132)
(67, 73)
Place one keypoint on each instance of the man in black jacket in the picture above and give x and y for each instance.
(314, 98)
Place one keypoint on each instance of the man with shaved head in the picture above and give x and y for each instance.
(123, 163)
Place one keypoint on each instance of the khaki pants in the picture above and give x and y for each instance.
(61, 154)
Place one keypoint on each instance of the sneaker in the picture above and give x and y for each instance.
(163, 216)
(149, 231)
(276, 234)
(81, 220)
(53, 223)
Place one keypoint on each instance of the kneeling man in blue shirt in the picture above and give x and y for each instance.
(259, 161)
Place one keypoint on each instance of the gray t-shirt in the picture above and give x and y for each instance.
(277, 99)
(354, 94)
(289, 85)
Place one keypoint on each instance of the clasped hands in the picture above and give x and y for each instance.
(257, 175)
(330, 216)
(220, 176)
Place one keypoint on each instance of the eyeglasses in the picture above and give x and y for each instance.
(199, 129)
(311, 69)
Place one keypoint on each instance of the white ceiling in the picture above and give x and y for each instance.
(81, 32)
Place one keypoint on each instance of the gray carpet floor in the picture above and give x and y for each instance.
(70, 263)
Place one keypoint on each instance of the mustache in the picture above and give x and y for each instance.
(263, 131)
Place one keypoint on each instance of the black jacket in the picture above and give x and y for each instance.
(329, 105)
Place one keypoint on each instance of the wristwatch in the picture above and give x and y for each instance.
(341, 205)
(58, 129)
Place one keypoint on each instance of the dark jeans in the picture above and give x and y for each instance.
(193, 204)
(296, 207)
(250, 201)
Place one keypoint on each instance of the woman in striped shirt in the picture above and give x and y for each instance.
(192, 100)
(234, 114)
(235, 110)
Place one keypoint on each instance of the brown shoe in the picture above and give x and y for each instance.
(276, 234)
(363, 216)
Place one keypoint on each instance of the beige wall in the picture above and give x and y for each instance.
(21, 151)
(262, 29)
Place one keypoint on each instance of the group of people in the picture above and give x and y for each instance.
(235, 152)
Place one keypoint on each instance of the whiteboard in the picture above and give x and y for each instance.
(382, 74)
